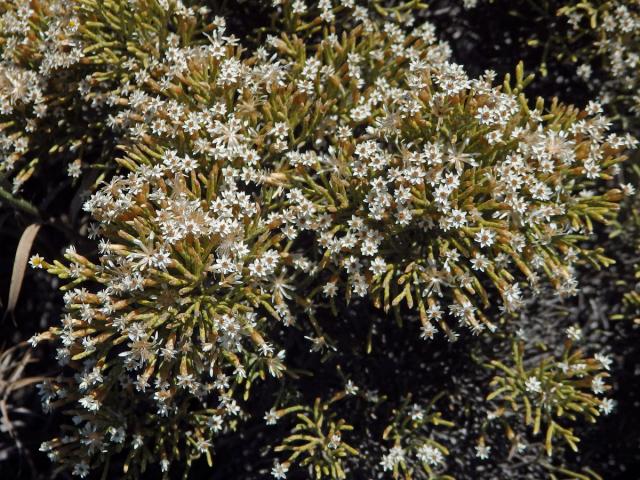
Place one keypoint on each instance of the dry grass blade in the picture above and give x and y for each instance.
(20, 265)
(13, 362)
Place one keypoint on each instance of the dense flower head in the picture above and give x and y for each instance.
(612, 29)
(449, 182)
(65, 65)
(37, 42)
(186, 262)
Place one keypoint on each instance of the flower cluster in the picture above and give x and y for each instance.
(38, 42)
(553, 391)
(257, 190)
(65, 68)
(415, 452)
(316, 440)
(452, 186)
(614, 27)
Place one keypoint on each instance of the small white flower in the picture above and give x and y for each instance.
(378, 266)
(429, 455)
(117, 434)
(36, 261)
(574, 333)
(483, 451)
(215, 423)
(334, 442)
(485, 237)
(393, 458)
(584, 71)
(593, 108)
(74, 169)
(203, 445)
(628, 189)
(533, 385)
(597, 385)
(427, 331)
(137, 441)
(271, 417)
(81, 469)
(605, 360)
(279, 470)
(351, 388)
(330, 289)
(90, 403)
(607, 405)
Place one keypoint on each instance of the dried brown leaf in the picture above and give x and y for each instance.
(20, 264)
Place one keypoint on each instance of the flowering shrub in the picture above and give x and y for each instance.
(551, 388)
(65, 67)
(314, 444)
(253, 193)
(613, 27)
(415, 452)
(418, 215)
(36, 45)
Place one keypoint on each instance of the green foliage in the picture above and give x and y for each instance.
(317, 440)
(415, 453)
(244, 195)
(550, 393)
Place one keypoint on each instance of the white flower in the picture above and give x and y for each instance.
(330, 289)
(117, 434)
(81, 469)
(334, 442)
(279, 470)
(483, 451)
(36, 261)
(34, 340)
(584, 71)
(605, 360)
(485, 237)
(607, 405)
(427, 331)
(430, 455)
(593, 108)
(574, 333)
(203, 445)
(378, 266)
(479, 262)
(351, 388)
(393, 458)
(215, 423)
(90, 403)
(74, 169)
(628, 189)
(597, 385)
(271, 417)
(533, 385)
(257, 269)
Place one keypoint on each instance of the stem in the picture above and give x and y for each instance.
(19, 203)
